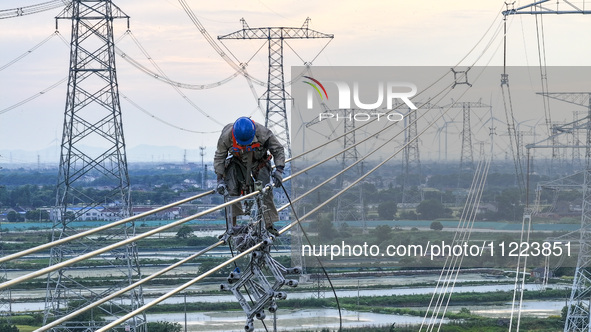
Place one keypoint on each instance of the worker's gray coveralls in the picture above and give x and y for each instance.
(236, 166)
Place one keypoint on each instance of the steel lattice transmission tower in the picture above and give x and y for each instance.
(579, 305)
(467, 152)
(92, 119)
(275, 97)
(579, 308)
(542, 7)
(411, 162)
(467, 155)
(350, 156)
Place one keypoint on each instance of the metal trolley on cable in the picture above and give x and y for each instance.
(256, 285)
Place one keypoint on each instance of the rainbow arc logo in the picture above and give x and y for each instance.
(315, 86)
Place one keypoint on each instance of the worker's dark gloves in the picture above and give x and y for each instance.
(278, 176)
(222, 188)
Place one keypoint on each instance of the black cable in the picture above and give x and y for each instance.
(318, 259)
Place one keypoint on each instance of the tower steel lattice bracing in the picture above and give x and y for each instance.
(347, 205)
(467, 152)
(467, 155)
(275, 96)
(576, 152)
(92, 119)
(411, 191)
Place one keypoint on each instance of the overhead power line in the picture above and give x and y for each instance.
(161, 75)
(17, 59)
(241, 68)
(119, 244)
(157, 118)
(35, 96)
(32, 9)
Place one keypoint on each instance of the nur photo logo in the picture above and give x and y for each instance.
(388, 91)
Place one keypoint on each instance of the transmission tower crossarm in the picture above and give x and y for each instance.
(461, 104)
(576, 98)
(115, 12)
(275, 32)
(536, 8)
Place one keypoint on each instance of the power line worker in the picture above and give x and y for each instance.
(244, 151)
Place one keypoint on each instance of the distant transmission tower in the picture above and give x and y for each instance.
(349, 156)
(92, 118)
(575, 141)
(467, 152)
(344, 205)
(203, 169)
(467, 155)
(411, 162)
(275, 97)
(537, 8)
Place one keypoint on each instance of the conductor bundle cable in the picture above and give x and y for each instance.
(466, 235)
(450, 271)
(452, 265)
(126, 289)
(118, 244)
(447, 268)
(22, 56)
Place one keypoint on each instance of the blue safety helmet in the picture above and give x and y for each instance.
(243, 130)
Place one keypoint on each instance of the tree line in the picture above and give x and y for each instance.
(34, 197)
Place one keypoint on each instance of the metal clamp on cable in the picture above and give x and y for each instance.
(267, 188)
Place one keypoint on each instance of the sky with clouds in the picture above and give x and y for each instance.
(367, 33)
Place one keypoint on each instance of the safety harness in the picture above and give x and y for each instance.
(237, 149)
